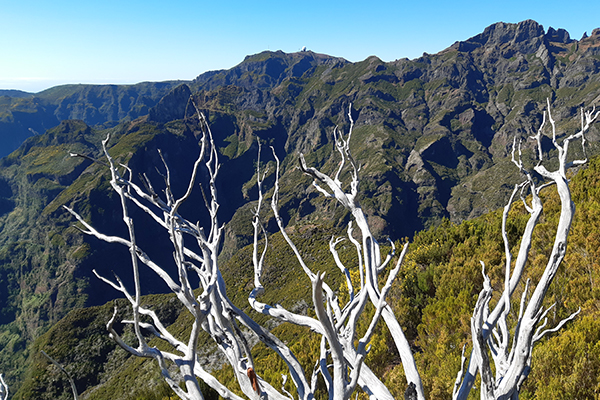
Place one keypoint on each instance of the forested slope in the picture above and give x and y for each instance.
(434, 299)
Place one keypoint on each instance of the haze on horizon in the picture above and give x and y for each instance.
(45, 44)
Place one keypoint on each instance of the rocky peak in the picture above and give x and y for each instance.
(591, 44)
(524, 37)
(501, 32)
(560, 35)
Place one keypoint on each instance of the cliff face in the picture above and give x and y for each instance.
(433, 136)
(25, 114)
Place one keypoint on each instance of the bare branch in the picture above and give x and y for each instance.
(3, 388)
(341, 359)
(69, 377)
(541, 333)
(512, 364)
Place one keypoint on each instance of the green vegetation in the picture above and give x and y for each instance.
(434, 297)
(433, 138)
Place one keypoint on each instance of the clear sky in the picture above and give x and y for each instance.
(45, 43)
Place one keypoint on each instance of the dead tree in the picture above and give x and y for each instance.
(64, 371)
(491, 335)
(341, 359)
(3, 388)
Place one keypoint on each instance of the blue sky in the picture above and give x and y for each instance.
(46, 43)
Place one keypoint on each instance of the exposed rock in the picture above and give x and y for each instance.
(524, 37)
(560, 35)
(172, 106)
(544, 55)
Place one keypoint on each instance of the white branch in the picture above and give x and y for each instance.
(512, 365)
(341, 359)
(71, 381)
(3, 388)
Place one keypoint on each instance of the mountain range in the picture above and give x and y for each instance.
(433, 136)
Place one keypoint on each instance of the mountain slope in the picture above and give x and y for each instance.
(433, 136)
(15, 93)
(32, 114)
(434, 298)
(437, 130)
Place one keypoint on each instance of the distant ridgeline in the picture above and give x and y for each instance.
(433, 136)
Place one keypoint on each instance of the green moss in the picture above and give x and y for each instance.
(537, 95)
(127, 144)
(56, 239)
(425, 141)
(232, 148)
(81, 252)
(505, 95)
